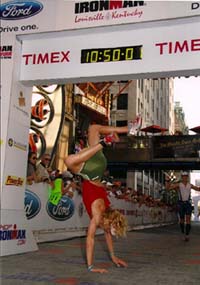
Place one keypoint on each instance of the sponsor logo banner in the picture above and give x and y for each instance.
(17, 10)
(47, 58)
(14, 181)
(21, 104)
(176, 146)
(10, 232)
(32, 204)
(19, 145)
(6, 52)
(63, 211)
(102, 11)
(110, 12)
(139, 51)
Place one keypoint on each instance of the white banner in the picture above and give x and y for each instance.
(70, 219)
(16, 144)
(82, 14)
(15, 234)
(109, 52)
(19, 17)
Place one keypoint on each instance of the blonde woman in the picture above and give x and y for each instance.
(90, 163)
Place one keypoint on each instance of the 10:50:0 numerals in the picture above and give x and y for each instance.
(111, 54)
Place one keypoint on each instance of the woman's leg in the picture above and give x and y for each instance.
(95, 131)
(75, 161)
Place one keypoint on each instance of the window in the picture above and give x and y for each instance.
(147, 96)
(138, 105)
(152, 104)
(122, 101)
(142, 85)
(121, 123)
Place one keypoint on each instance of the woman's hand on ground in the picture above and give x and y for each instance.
(119, 262)
(99, 270)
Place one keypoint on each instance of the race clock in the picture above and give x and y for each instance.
(111, 54)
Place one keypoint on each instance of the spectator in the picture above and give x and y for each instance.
(106, 176)
(184, 203)
(57, 187)
(31, 168)
(67, 176)
(53, 173)
(69, 189)
(42, 168)
(62, 186)
(110, 189)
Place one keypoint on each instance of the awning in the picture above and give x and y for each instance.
(196, 129)
(154, 129)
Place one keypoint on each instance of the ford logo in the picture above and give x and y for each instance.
(16, 10)
(32, 204)
(63, 211)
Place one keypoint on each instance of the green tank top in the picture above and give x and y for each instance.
(56, 192)
(94, 168)
(57, 185)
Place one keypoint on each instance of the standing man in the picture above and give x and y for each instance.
(42, 168)
(184, 203)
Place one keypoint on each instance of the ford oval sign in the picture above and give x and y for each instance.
(17, 10)
(63, 211)
(32, 204)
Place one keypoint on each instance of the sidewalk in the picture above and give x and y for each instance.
(155, 256)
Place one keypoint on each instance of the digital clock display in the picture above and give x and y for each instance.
(95, 55)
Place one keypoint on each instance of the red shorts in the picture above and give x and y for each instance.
(90, 193)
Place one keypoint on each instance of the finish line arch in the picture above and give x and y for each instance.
(164, 49)
(132, 51)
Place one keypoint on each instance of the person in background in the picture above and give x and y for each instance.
(109, 189)
(42, 168)
(57, 187)
(90, 163)
(69, 189)
(184, 202)
(106, 177)
(67, 176)
(31, 168)
(69, 185)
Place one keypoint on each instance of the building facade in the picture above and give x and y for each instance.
(179, 120)
(154, 100)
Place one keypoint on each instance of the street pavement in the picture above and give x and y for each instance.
(154, 255)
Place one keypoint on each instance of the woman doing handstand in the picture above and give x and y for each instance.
(90, 163)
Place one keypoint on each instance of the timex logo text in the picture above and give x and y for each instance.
(47, 58)
(179, 46)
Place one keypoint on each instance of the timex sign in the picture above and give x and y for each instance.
(47, 58)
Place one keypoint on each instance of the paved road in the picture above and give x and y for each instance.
(155, 256)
